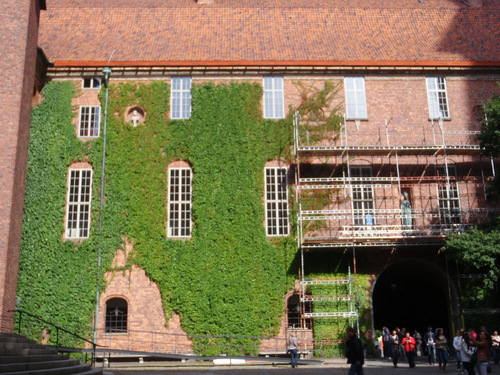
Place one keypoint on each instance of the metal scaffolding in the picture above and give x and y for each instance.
(369, 210)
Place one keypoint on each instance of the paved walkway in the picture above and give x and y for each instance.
(330, 367)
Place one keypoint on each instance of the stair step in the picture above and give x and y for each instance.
(13, 337)
(32, 358)
(79, 369)
(22, 356)
(28, 366)
(27, 351)
(20, 345)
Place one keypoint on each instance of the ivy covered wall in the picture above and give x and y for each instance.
(228, 278)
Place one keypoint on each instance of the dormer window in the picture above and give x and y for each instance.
(91, 83)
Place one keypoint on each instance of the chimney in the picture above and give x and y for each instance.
(474, 3)
(205, 2)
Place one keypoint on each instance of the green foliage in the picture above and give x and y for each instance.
(330, 332)
(320, 117)
(478, 252)
(490, 138)
(490, 133)
(57, 279)
(229, 278)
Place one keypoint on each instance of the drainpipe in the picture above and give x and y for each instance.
(107, 72)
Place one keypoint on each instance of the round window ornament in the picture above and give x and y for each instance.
(135, 116)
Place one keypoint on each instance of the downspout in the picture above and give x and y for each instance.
(107, 72)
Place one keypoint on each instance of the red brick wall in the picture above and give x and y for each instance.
(147, 328)
(18, 38)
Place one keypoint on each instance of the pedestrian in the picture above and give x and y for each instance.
(418, 339)
(409, 345)
(483, 351)
(441, 349)
(401, 335)
(354, 352)
(431, 345)
(394, 340)
(457, 342)
(495, 346)
(386, 341)
(466, 353)
(293, 349)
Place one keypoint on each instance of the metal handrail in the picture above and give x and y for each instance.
(58, 329)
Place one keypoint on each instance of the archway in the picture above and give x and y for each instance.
(411, 293)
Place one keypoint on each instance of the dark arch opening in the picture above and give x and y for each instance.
(411, 294)
(116, 315)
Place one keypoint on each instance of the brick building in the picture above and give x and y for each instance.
(397, 172)
(19, 34)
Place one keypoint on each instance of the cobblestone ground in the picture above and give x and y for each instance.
(330, 367)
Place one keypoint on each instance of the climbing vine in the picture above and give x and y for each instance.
(228, 278)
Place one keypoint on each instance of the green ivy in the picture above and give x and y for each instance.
(57, 279)
(229, 278)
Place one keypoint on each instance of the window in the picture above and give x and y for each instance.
(91, 83)
(90, 119)
(449, 201)
(179, 206)
(276, 201)
(116, 315)
(273, 97)
(355, 98)
(181, 98)
(78, 204)
(362, 196)
(438, 98)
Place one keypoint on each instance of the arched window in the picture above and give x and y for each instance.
(295, 309)
(179, 200)
(116, 315)
(276, 200)
(79, 199)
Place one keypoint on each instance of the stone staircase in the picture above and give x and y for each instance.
(22, 356)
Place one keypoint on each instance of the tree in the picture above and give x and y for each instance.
(479, 251)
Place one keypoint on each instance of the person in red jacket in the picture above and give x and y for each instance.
(409, 345)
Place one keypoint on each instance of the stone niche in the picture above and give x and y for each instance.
(135, 116)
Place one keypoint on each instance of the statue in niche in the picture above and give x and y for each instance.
(136, 117)
(406, 212)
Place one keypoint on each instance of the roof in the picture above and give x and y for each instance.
(271, 33)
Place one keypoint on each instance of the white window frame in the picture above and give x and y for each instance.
(180, 187)
(362, 196)
(274, 97)
(78, 203)
(437, 97)
(94, 83)
(276, 201)
(355, 98)
(448, 195)
(89, 124)
(180, 98)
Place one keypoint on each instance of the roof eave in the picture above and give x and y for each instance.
(277, 63)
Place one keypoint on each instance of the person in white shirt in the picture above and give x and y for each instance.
(457, 342)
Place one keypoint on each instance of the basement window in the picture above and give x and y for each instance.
(91, 83)
(116, 315)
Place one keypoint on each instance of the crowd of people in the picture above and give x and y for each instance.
(472, 350)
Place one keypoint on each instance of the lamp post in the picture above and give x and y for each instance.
(107, 72)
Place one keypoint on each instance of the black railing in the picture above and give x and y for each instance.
(58, 330)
